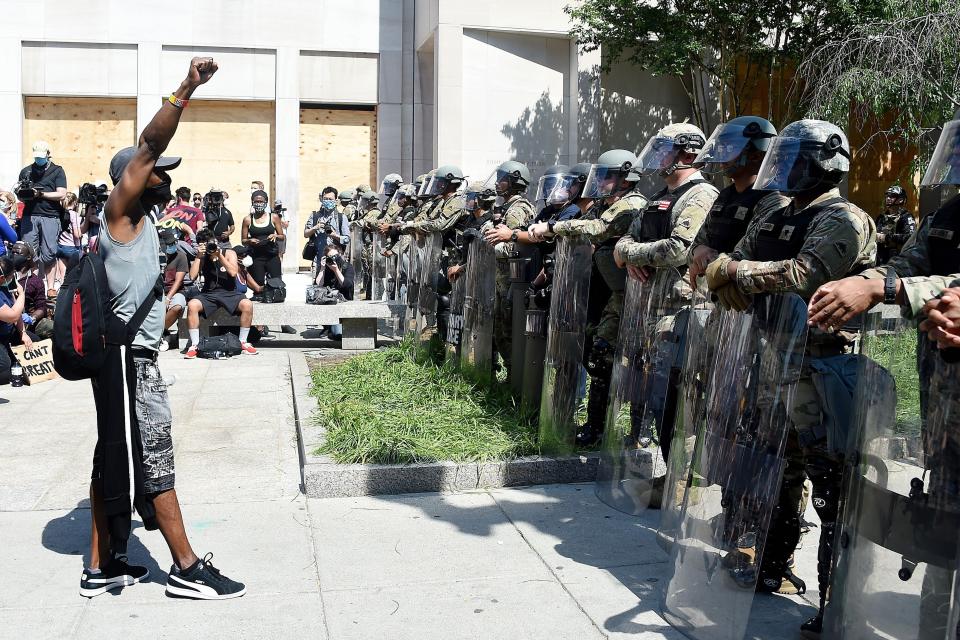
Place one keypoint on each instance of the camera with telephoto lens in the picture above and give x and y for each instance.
(337, 260)
(214, 198)
(327, 227)
(212, 247)
(92, 194)
(25, 190)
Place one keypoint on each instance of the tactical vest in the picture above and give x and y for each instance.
(780, 237)
(729, 217)
(944, 239)
(613, 276)
(654, 224)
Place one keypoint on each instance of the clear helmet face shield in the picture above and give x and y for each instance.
(436, 186)
(723, 149)
(387, 189)
(944, 167)
(471, 200)
(556, 188)
(602, 182)
(499, 181)
(789, 166)
(659, 156)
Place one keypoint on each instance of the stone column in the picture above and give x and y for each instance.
(287, 152)
(11, 112)
(149, 92)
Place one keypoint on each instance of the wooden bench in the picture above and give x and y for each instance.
(358, 318)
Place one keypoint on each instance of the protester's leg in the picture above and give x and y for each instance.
(245, 309)
(273, 267)
(194, 309)
(30, 233)
(6, 361)
(258, 269)
(99, 530)
(170, 520)
(175, 310)
(49, 234)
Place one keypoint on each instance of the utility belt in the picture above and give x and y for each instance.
(142, 353)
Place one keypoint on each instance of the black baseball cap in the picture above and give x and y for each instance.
(124, 156)
(168, 237)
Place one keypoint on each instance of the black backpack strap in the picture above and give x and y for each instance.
(141, 313)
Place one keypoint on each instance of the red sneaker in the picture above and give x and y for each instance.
(248, 349)
(191, 353)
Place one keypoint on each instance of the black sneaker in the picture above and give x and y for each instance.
(202, 581)
(115, 575)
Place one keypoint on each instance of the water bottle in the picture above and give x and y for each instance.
(16, 375)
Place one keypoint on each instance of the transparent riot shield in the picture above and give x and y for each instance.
(429, 285)
(454, 335)
(476, 349)
(357, 259)
(698, 360)
(896, 572)
(519, 281)
(414, 251)
(401, 267)
(565, 341)
(647, 345)
(390, 279)
(378, 261)
(739, 461)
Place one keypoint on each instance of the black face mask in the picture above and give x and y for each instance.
(156, 195)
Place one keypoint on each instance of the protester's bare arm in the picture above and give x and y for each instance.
(153, 142)
(229, 259)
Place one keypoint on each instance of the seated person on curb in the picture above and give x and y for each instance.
(12, 330)
(219, 269)
(337, 273)
(37, 314)
(174, 273)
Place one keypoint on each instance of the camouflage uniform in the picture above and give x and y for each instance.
(896, 228)
(516, 213)
(791, 251)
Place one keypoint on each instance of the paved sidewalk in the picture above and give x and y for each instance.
(546, 562)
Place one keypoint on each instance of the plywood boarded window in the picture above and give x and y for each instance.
(226, 144)
(337, 148)
(83, 133)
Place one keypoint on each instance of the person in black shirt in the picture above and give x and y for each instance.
(42, 209)
(217, 217)
(337, 273)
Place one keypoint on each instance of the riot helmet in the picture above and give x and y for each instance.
(510, 178)
(369, 199)
(552, 177)
(443, 179)
(610, 171)
(895, 195)
(730, 145)
(662, 153)
(347, 196)
(391, 182)
(808, 154)
(944, 167)
(404, 195)
(479, 196)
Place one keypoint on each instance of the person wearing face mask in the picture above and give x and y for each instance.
(42, 210)
(328, 225)
(13, 331)
(130, 377)
(8, 213)
(261, 231)
(337, 273)
(174, 273)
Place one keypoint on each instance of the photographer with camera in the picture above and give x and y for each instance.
(217, 217)
(261, 231)
(219, 268)
(326, 226)
(41, 187)
(335, 273)
(279, 209)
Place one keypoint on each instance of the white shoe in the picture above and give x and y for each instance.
(164, 345)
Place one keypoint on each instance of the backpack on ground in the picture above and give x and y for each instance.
(218, 347)
(274, 290)
(84, 325)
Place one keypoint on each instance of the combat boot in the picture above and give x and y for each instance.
(591, 432)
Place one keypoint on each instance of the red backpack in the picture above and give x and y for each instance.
(84, 325)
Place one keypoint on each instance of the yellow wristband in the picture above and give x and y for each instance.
(177, 102)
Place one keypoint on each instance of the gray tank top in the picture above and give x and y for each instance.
(132, 271)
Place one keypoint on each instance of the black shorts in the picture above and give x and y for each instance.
(219, 299)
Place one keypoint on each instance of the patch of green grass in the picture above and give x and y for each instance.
(898, 353)
(383, 407)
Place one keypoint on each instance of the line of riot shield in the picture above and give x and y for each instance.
(640, 387)
(738, 465)
(378, 275)
(401, 267)
(520, 263)
(390, 279)
(429, 285)
(566, 335)
(476, 349)
(698, 361)
(896, 572)
(357, 259)
(414, 251)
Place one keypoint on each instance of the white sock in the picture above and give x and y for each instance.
(194, 337)
(244, 332)
(93, 572)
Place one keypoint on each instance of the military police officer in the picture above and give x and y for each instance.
(894, 225)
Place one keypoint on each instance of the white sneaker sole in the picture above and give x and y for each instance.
(198, 595)
(111, 584)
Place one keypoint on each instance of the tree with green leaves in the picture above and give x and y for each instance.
(723, 51)
(898, 74)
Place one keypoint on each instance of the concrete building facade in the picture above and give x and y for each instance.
(316, 92)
